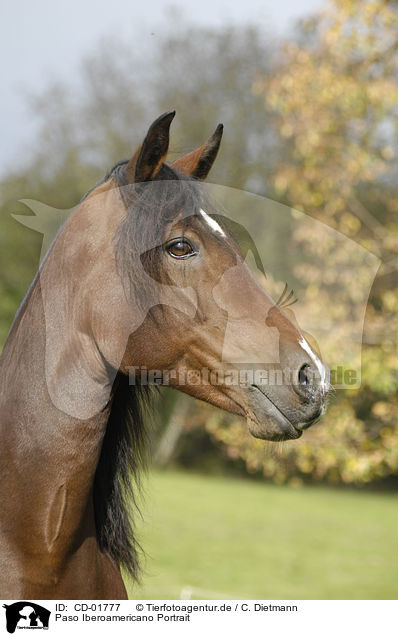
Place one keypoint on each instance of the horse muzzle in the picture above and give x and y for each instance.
(283, 412)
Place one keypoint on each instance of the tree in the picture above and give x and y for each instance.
(88, 125)
(312, 124)
(335, 95)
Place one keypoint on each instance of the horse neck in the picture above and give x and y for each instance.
(48, 459)
(48, 456)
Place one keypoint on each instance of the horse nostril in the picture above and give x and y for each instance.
(304, 375)
(304, 384)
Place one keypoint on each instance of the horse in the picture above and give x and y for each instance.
(143, 274)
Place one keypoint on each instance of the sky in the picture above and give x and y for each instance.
(43, 40)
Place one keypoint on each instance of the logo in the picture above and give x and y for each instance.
(26, 615)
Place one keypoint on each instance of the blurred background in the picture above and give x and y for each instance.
(308, 94)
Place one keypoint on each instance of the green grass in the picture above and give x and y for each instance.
(228, 538)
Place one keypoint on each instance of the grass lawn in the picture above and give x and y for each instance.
(228, 538)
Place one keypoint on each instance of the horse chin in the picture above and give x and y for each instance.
(266, 421)
(272, 430)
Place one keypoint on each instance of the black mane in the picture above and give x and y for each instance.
(149, 209)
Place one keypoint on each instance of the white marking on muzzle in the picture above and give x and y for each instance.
(319, 365)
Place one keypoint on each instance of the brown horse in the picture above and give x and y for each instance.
(142, 275)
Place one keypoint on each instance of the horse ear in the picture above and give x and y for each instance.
(149, 158)
(199, 162)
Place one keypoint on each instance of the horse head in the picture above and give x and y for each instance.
(205, 320)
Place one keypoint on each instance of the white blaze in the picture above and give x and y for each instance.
(320, 367)
(212, 223)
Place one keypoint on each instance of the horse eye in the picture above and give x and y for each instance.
(180, 248)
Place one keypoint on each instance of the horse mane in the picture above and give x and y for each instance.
(123, 452)
(150, 208)
(117, 477)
